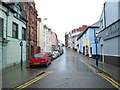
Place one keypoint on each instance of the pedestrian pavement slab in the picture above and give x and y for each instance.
(15, 75)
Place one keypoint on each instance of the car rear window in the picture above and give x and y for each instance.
(37, 56)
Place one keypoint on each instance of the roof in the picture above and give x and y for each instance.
(86, 30)
(7, 6)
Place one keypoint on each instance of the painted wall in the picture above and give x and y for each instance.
(48, 44)
(90, 37)
(11, 50)
(42, 37)
(107, 17)
(111, 7)
(54, 38)
(110, 36)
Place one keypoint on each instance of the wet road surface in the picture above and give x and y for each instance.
(70, 72)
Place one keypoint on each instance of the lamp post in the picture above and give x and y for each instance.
(21, 45)
(96, 42)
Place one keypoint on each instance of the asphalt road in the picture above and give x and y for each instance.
(69, 72)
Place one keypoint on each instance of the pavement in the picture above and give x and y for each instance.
(15, 75)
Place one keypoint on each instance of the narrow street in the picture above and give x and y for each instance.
(47, 44)
(69, 72)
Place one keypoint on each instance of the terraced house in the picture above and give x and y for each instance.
(31, 16)
(110, 33)
(13, 28)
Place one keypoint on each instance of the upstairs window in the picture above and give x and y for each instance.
(23, 33)
(14, 30)
(1, 27)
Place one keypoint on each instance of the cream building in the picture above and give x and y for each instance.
(48, 39)
(41, 35)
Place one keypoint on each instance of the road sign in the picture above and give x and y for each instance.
(21, 43)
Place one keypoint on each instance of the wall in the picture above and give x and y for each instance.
(11, 50)
(110, 35)
(89, 35)
(42, 37)
(109, 8)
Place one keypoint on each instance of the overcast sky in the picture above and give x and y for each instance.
(66, 15)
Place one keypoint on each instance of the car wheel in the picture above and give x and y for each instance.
(50, 62)
(31, 66)
(46, 65)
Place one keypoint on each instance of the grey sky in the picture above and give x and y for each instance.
(65, 15)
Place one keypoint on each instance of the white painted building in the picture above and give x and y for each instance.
(14, 31)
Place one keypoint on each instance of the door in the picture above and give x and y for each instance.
(83, 50)
(102, 53)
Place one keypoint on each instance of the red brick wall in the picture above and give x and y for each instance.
(31, 15)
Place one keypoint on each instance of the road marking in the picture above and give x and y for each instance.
(113, 82)
(111, 79)
(32, 81)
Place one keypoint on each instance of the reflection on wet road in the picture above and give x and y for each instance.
(70, 72)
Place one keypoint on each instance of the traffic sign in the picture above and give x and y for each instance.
(21, 43)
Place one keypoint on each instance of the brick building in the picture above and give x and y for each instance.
(31, 15)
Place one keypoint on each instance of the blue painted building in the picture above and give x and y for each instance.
(109, 34)
(87, 44)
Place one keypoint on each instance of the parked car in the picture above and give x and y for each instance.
(40, 59)
(54, 55)
(50, 54)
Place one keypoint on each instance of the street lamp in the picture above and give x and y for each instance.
(96, 42)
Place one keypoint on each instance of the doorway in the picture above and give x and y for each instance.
(102, 53)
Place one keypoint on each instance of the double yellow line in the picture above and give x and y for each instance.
(32, 81)
(113, 82)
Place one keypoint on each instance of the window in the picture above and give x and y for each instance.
(1, 27)
(47, 55)
(37, 56)
(15, 30)
(32, 32)
(32, 17)
(23, 33)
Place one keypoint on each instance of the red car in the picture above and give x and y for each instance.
(40, 59)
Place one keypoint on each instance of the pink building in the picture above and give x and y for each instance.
(54, 41)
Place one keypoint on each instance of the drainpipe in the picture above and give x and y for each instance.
(119, 24)
(104, 15)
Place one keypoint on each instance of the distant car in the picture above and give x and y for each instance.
(55, 54)
(40, 59)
